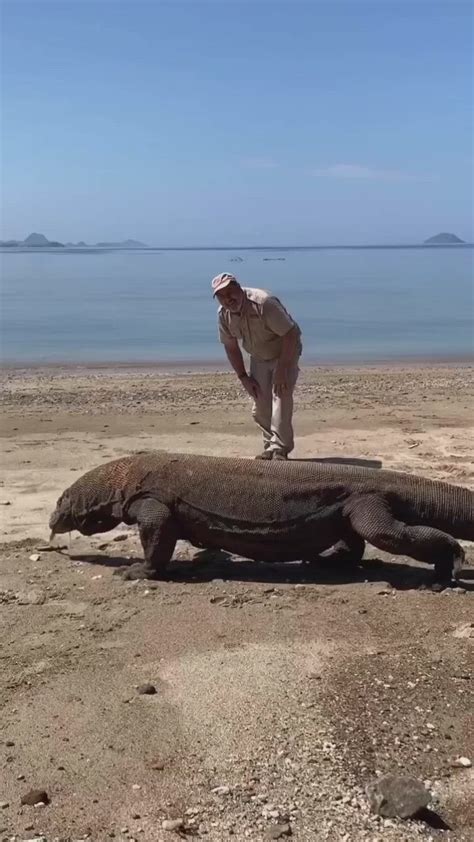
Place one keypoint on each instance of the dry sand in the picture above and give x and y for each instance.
(287, 690)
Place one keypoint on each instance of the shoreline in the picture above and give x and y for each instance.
(222, 367)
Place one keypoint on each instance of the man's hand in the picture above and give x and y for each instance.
(280, 381)
(251, 386)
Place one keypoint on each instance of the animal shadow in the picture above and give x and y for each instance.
(104, 560)
(344, 460)
(207, 565)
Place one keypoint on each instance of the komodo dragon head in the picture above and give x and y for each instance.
(94, 503)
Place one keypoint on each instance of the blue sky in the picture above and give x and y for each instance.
(220, 123)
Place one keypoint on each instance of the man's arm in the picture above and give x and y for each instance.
(281, 323)
(234, 355)
(287, 358)
(289, 347)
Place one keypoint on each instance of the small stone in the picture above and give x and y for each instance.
(35, 557)
(462, 763)
(121, 537)
(146, 690)
(278, 831)
(9, 743)
(136, 815)
(136, 787)
(157, 765)
(6, 503)
(221, 790)
(35, 796)
(464, 630)
(172, 824)
(32, 597)
(4, 805)
(399, 796)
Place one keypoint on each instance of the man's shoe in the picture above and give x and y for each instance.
(279, 456)
(266, 454)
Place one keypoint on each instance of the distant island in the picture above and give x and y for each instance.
(125, 244)
(40, 241)
(443, 239)
(33, 241)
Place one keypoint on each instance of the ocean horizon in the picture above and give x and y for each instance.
(153, 306)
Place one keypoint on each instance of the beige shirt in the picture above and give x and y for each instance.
(260, 325)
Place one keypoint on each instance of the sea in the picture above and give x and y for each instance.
(354, 305)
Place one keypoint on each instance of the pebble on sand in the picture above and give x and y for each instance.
(35, 796)
(462, 763)
(146, 690)
(278, 831)
(464, 630)
(172, 824)
(393, 796)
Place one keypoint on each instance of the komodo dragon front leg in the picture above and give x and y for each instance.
(158, 535)
(371, 517)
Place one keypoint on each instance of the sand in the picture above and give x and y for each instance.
(288, 690)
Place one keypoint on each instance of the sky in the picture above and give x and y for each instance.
(256, 122)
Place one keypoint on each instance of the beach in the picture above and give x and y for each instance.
(280, 693)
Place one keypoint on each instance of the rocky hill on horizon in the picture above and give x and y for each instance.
(36, 240)
(443, 239)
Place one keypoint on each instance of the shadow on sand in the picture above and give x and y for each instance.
(344, 460)
(211, 564)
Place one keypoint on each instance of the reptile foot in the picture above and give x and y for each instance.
(134, 572)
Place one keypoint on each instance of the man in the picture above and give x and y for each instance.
(273, 341)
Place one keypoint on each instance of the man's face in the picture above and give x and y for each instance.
(231, 297)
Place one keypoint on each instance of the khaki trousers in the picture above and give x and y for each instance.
(274, 415)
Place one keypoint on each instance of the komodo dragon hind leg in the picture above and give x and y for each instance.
(158, 535)
(371, 517)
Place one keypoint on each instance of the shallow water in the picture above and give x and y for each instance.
(352, 304)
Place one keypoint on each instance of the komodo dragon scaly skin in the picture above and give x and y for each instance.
(272, 511)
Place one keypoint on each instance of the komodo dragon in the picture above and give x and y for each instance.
(271, 511)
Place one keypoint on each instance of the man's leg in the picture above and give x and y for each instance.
(262, 407)
(282, 440)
